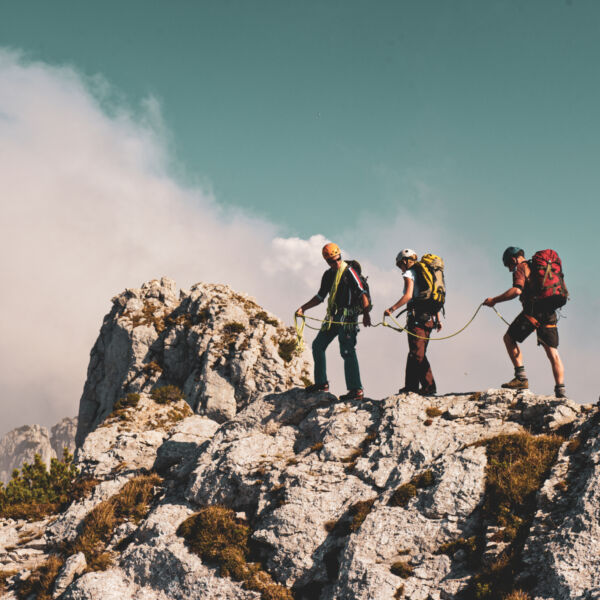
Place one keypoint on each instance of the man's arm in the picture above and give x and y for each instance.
(314, 301)
(408, 292)
(366, 314)
(509, 294)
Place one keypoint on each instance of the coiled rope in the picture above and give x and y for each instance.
(300, 326)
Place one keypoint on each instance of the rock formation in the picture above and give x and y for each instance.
(460, 496)
(218, 346)
(22, 444)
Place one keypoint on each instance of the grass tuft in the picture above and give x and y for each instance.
(287, 349)
(433, 411)
(360, 511)
(216, 535)
(403, 494)
(401, 568)
(41, 581)
(131, 503)
(168, 394)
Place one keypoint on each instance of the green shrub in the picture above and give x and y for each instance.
(34, 492)
(167, 394)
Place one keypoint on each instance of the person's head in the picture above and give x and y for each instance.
(332, 255)
(511, 257)
(406, 259)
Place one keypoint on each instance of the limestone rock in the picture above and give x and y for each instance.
(75, 565)
(216, 345)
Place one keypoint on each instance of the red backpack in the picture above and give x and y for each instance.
(550, 291)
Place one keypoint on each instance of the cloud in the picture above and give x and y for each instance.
(89, 208)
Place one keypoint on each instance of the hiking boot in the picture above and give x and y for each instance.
(516, 384)
(353, 395)
(317, 387)
(429, 391)
(406, 390)
(559, 391)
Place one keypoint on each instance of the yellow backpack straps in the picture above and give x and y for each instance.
(331, 306)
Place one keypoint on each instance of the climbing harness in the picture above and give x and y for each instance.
(300, 326)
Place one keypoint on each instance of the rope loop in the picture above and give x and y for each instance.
(300, 327)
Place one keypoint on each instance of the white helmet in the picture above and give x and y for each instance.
(406, 253)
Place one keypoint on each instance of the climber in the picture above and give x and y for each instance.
(533, 317)
(421, 321)
(348, 297)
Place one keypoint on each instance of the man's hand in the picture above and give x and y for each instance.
(438, 326)
(489, 302)
(388, 312)
(300, 312)
(366, 319)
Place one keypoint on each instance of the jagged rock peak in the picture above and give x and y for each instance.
(22, 444)
(218, 346)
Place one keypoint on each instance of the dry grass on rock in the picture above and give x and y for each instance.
(41, 581)
(131, 503)
(216, 535)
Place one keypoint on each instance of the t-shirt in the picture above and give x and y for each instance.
(412, 275)
(522, 280)
(350, 288)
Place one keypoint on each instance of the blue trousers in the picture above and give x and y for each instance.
(347, 338)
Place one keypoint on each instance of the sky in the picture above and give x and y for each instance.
(226, 141)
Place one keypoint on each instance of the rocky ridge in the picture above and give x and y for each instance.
(22, 444)
(389, 498)
(219, 347)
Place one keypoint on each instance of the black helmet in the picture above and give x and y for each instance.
(509, 253)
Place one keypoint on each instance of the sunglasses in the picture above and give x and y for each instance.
(333, 259)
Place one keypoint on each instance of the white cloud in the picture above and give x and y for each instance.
(89, 208)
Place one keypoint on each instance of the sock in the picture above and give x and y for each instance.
(559, 387)
(520, 373)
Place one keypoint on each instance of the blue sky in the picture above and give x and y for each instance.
(459, 127)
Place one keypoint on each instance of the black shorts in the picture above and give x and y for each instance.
(546, 330)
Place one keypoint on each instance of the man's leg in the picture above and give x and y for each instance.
(347, 338)
(414, 361)
(547, 335)
(319, 345)
(517, 332)
(558, 369)
(514, 352)
(423, 367)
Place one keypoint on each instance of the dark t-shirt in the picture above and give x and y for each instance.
(350, 288)
(522, 280)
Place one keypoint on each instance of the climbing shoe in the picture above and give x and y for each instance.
(353, 395)
(559, 391)
(317, 387)
(516, 384)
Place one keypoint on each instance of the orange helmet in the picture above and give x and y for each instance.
(331, 250)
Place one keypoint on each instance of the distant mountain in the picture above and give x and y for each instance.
(22, 444)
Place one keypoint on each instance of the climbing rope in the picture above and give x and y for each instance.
(300, 327)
